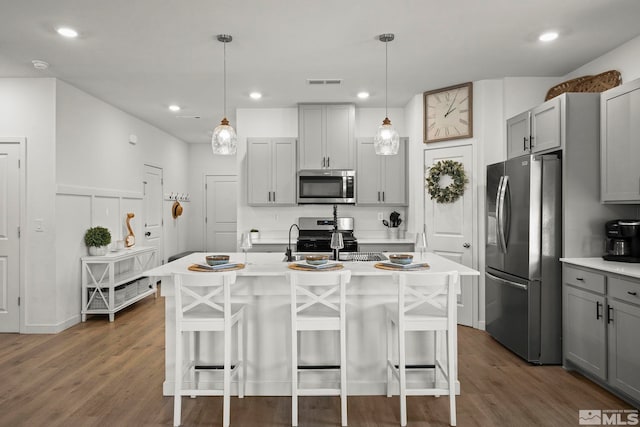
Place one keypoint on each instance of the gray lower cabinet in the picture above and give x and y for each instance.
(271, 171)
(585, 331)
(620, 143)
(601, 320)
(381, 180)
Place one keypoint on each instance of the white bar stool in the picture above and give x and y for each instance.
(313, 308)
(426, 302)
(203, 303)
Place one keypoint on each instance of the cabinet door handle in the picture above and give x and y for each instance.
(632, 293)
(328, 162)
(383, 196)
(580, 279)
(524, 143)
(269, 194)
(598, 314)
(609, 314)
(274, 196)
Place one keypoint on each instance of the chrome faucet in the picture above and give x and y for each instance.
(288, 251)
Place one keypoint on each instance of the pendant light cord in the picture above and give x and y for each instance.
(386, 78)
(224, 73)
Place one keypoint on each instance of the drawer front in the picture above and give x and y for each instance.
(584, 279)
(625, 290)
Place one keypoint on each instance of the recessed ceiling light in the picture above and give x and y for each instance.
(255, 95)
(363, 95)
(67, 32)
(548, 36)
(40, 65)
(174, 107)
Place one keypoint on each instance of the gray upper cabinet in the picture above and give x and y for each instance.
(537, 130)
(518, 134)
(620, 144)
(326, 133)
(381, 180)
(271, 171)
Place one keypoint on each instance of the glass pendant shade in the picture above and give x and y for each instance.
(224, 140)
(387, 140)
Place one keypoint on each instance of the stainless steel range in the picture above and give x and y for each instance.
(315, 234)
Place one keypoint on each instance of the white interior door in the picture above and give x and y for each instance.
(221, 214)
(450, 225)
(153, 196)
(10, 156)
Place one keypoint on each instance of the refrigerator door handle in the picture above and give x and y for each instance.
(498, 214)
(500, 207)
(507, 282)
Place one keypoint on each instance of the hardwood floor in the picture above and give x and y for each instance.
(110, 374)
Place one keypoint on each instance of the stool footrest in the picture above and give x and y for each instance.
(418, 366)
(212, 367)
(318, 367)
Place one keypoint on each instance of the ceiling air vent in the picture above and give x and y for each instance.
(324, 81)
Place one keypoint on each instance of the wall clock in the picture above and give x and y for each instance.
(448, 113)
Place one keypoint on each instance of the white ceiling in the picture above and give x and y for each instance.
(142, 55)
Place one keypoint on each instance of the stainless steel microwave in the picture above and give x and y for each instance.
(327, 186)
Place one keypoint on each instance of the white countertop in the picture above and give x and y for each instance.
(383, 240)
(272, 264)
(274, 241)
(622, 268)
(363, 241)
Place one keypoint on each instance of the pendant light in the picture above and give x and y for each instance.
(224, 139)
(387, 140)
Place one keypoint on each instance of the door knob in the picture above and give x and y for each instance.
(466, 245)
(148, 234)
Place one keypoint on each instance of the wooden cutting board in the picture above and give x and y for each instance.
(298, 267)
(423, 266)
(195, 267)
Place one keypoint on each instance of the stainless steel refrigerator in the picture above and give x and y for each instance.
(524, 242)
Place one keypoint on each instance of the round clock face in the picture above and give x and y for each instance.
(448, 113)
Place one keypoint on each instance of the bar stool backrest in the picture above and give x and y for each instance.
(317, 291)
(427, 292)
(203, 295)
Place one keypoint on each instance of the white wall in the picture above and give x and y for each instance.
(625, 58)
(27, 109)
(283, 122)
(77, 148)
(100, 178)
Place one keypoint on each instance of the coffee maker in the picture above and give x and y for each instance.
(623, 240)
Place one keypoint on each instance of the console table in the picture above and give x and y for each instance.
(114, 281)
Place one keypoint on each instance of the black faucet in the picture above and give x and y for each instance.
(288, 251)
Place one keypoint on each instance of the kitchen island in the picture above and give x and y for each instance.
(263, 287)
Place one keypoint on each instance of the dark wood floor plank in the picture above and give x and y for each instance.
(110, 374)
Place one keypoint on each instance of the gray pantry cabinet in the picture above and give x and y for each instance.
(327, 136)
(537, 130)
(620, 144)
(271, 171)
(601, 320)
(381, 180)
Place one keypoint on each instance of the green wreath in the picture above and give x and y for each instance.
(453, 191)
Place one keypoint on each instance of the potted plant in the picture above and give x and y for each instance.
(97, 239)
(255, 234)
